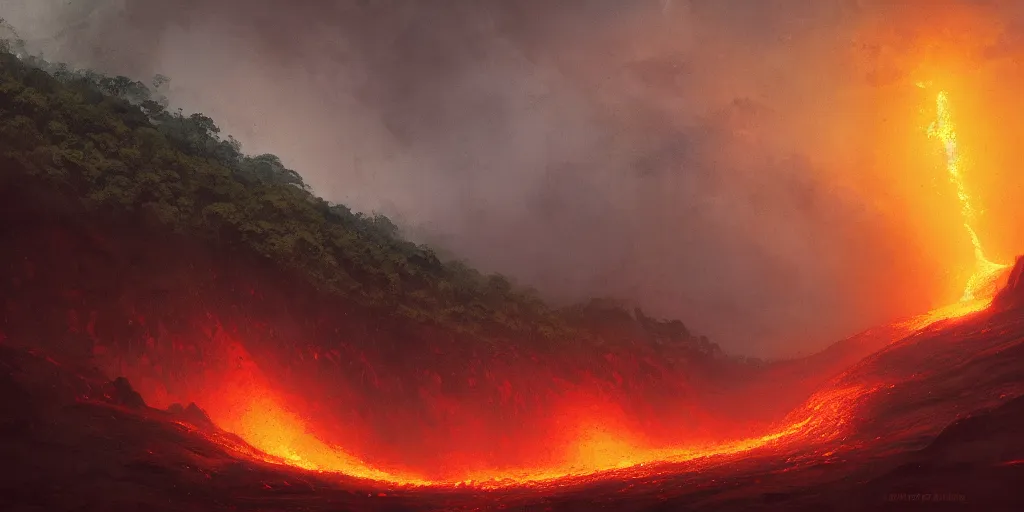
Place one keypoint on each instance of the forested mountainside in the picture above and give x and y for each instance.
(145, 242)
(108, 149)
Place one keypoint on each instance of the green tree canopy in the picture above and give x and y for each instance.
(111, 145)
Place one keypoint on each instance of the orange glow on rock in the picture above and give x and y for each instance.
(245, 406)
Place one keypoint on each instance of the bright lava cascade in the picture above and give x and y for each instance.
(981, 285)
(944, 130)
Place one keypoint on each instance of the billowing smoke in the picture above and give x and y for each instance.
(758, 169)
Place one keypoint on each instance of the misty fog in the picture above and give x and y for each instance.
(662, 152)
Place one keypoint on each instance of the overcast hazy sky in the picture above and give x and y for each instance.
(750, 167)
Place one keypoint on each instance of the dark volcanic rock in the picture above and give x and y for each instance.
(964, 435)
(120, 392)
(192, 414)
(1012, 295)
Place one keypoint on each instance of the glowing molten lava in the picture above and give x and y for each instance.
(242, 400)
(981, 285)
(282, 438)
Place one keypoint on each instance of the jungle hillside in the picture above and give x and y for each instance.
(109, 149)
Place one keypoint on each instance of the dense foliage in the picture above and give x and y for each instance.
(111, 146)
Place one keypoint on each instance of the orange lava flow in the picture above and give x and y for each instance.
(243, 403)
(241, 400)
(823, 417)
(279, 437)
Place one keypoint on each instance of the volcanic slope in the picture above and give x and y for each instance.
(142, 241)
(938, 419)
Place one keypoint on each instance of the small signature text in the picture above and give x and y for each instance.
(935, 497)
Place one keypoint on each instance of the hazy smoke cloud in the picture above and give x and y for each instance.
(740, 165)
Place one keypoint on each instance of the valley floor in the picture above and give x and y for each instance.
(941, 431)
